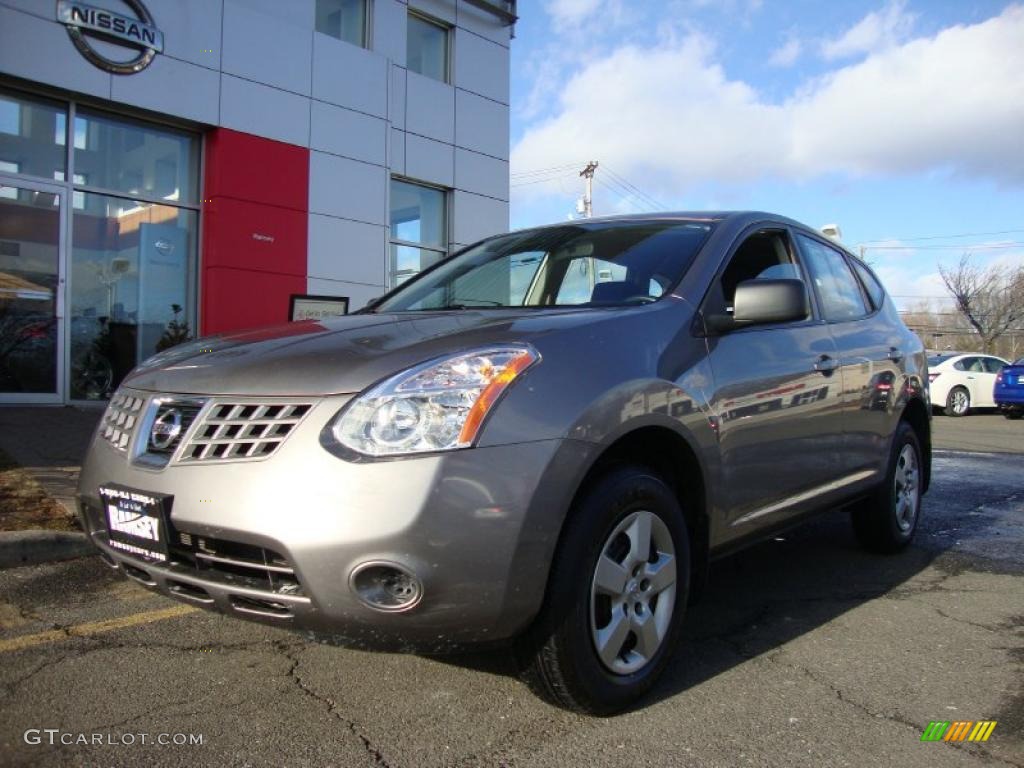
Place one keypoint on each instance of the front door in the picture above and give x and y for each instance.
(776, 397)
(32, 237)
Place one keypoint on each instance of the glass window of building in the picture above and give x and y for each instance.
(136, 159)
(343, 19)
(418, 228)
(114, 244)
(131, 275)
(427, 48)
(32, 136)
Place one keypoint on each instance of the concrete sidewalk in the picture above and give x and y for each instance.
(49, 442)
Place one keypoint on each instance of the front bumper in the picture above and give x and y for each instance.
(478, 528)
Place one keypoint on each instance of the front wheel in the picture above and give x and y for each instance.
(958, 402)
(616, 596)
(886, 521)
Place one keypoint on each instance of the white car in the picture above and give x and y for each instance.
(960, 382)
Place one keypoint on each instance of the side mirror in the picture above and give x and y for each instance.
(763, 301)
(770, 301)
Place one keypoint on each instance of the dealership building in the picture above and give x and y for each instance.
(170, 168)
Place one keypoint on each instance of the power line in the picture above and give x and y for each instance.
(560, 177)
(974, 247)
(944, 237)
(543, 171)
(627, 198)
(636, 190)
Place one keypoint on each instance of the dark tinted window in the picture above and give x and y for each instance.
(874, 288)
(992, 364)
(571, 265)
(841, 297)
(969, 364)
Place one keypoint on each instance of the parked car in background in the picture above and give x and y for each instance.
(960, 382)
(1009, 390)
(540, 441)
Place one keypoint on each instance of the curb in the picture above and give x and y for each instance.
(20, 548)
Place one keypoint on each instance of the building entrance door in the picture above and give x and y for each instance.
(32, 258)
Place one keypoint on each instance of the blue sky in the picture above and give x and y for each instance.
(898, 120)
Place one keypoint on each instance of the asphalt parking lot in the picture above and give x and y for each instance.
(804, 651)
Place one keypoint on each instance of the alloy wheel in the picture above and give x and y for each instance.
(632, 593)
(960, 401)
(906, 482)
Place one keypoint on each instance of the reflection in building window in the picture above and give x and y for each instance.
(343, 19)
(418, 228)
(427, 48)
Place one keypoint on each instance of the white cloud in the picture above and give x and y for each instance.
(787, 54)
(952, 103)
(879, 29)
(572, 12)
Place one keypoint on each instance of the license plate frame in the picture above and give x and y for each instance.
(138, 522)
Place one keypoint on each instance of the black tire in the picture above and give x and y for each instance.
(877, 520)
(559, 658)
(958, 402)
(1013, 415)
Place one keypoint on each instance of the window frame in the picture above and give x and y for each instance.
(869, 306)
(444, 250)
(443, 26)
(367, 32)
(714, 292)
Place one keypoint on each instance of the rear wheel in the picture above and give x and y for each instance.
(1013, 414)
(886, 521)
(958, 402)
(616, 596)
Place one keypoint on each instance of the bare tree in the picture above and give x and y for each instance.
(990, 298)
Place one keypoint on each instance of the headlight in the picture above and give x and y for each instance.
(436, 406)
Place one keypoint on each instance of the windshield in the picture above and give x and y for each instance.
(612, 264)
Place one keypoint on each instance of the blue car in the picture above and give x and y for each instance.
(1008, 392)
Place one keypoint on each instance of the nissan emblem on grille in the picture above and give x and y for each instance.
(166, 429)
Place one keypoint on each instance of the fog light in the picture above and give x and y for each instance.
(386, 586)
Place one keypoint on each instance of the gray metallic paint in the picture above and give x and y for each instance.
(481, 525)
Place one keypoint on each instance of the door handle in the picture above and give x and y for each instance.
(826, 365)
(895, 355)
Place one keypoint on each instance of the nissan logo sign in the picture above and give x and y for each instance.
(165, 429)
(139, 34)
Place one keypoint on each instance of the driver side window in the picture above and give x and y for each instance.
(764, 255)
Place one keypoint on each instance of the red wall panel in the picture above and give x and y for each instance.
(249, 167)
(248, 235)
(255, 230)
(240, 298)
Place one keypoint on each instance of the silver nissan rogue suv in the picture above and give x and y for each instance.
(541, 440)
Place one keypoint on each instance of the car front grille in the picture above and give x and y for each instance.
(120, 418)
(232, 562)
(232, 431)
(186, 410)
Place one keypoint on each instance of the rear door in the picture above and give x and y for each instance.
(870, 350)
(986, 381)
(775, 396)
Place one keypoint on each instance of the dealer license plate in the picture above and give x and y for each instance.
(137, 521)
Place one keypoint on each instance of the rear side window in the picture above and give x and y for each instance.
(971, 364)
(993, 364)
(841, 297)
(874, 288)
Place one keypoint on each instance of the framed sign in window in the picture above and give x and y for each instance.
(304, 306)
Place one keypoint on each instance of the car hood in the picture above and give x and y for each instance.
(338, 355)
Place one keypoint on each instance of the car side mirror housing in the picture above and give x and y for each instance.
(758, 302)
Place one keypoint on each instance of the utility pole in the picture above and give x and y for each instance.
(588, 195)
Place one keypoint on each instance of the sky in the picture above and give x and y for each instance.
(900, 121)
